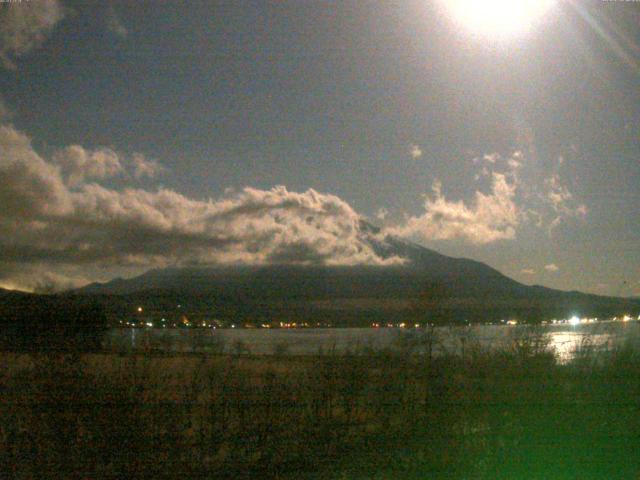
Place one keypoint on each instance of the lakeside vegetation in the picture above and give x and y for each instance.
(513, 413)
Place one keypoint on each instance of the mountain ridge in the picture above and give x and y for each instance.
(428, 285)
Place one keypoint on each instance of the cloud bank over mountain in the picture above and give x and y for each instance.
(63, 218)
(54, 213)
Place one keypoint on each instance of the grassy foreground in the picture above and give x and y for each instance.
(514, 414)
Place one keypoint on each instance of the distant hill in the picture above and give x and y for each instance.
(428, 287)
(13, 294)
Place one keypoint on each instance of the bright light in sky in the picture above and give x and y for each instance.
(498, 17)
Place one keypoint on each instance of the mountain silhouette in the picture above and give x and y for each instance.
(427, 287)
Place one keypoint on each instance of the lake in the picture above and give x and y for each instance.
(563, 338)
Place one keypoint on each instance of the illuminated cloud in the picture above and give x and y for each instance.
(485, 172)
(57, 217)
(143, 167)
(32, 189)
(382, 213)
(544, 204)
(494, 162)
(514, 163)
(24, 26)
(528, 271)
(561, 201)
(491, 157)
(491, 217)
(80, 164)
(552, 267)
(415, 152)
(49, 223)
(38, 278)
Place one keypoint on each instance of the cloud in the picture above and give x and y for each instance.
(143, 167)
(31, 187)
(491, 217)
(561, 201)
(528, 271)
(552, 267)
(382, 213)
(80, 164)
(491, 157)
(34, 278)
(24, 26)
(485, 172)
(544, 204)
(513, 163)
(50, 224)
(57, 217)
(114, 24)
(415, 152)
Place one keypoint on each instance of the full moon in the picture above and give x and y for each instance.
(498, 18)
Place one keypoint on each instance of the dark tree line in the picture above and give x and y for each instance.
(51, 323)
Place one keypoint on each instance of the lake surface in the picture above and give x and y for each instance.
(564, 339)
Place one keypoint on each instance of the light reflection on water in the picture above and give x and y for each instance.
(565, 340)
(568, 344)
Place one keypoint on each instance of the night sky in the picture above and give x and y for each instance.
(144, 134)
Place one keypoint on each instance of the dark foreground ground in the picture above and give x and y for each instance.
(515, 414)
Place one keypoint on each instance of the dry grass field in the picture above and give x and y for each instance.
(515, 413)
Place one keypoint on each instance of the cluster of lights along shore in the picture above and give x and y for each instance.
(145, 321)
